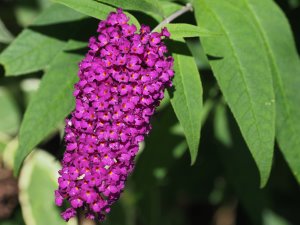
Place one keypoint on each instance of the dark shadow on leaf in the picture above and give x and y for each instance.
(177, 47)
(144, 18)
(171, 91)
(9, 17)
(30, 4)
(212, 58)
(67, 30)
(79, 51)
(2, 71)
(186, 18)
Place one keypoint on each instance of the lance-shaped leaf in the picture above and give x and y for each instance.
(186, 99)
(33, 50)
(139, 5)
(239, 62)
(94, 9)
(51, 104)
(285, 65)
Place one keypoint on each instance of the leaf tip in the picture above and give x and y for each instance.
(17, 163)
(193, 157)
(264, 177)
(16, 170)
(263, 183)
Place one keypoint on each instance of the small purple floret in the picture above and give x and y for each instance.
(121, 81)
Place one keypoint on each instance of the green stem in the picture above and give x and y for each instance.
(186, 8)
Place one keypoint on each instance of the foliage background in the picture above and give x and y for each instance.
(41, 44)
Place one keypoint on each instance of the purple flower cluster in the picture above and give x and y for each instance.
(122, 80)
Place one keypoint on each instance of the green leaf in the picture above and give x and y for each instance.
(51, 104)
(37, 182)
(57, 13)
(181, 30)
(31, 50)
(243, 75)
(197, 51)
(9, 115)
(285, 65)
(138, 5)
(5, 36)
(170, 7)
(94, 9)
(186, 99)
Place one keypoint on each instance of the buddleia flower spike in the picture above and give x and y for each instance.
(121, 81)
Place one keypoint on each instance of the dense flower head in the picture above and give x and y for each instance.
(121, 81)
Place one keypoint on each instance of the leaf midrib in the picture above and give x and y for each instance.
(189, 110)
(241, 72)
(58, 97)
(273, 64)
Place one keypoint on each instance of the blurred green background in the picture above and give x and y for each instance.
(222, 188)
